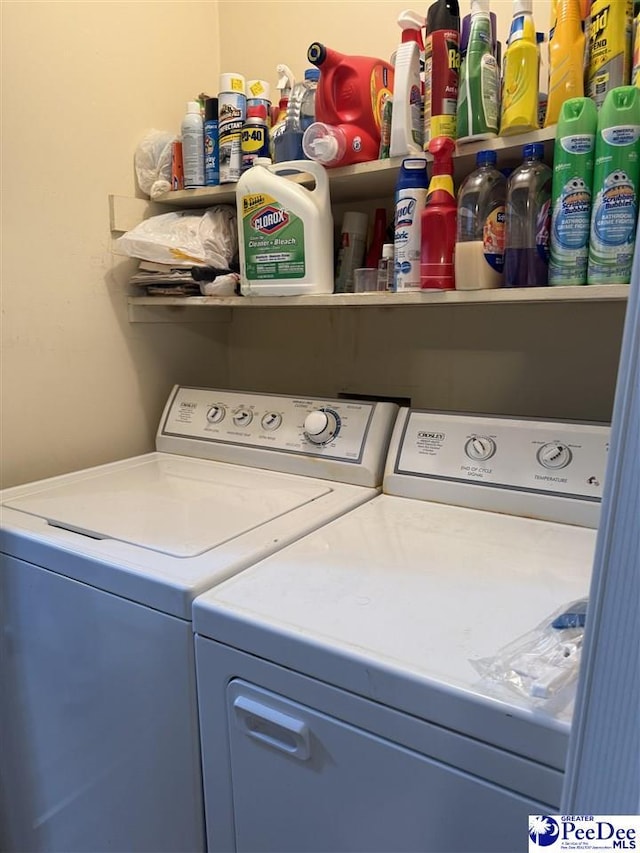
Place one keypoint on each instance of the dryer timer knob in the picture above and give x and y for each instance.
(321, 425)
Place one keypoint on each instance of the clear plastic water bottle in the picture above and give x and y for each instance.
(479, 259)
(527, 221)
(300, 114)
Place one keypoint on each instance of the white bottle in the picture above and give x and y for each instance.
(285, 231)
(410, 197)
(385, 268)
(406, 115)
(192, 130)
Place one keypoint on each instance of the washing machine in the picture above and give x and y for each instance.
(98, 572)
(357, 716)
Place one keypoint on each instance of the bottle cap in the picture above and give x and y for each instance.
(258, 89)
(211, 109)
(486, 158)
(312, 74)
(522, 6)
(257, 111)
(232, 83)
(533, 151)
(193, 107)
(262, 161)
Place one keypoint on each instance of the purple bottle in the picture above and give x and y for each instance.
(527, 221)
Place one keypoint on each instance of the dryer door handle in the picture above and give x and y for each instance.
(272, 727)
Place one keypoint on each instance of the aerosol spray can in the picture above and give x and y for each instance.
(411, 196)
(232, 111)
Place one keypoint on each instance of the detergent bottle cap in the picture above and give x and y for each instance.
(442, 148)
(262, 161)
(312, 74)
(480, 6)
(323, 143)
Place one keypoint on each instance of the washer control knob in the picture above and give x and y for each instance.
(321, 425)
(216, 414)
(480, 448)
(271, 421)
(554, 455)
(242, 417)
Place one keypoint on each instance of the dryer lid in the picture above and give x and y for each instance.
(175, 505)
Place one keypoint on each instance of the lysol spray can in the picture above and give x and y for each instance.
(211, 161)
(571, 193)
(616, 182)
(259, 95)
(255, 136)
(232, 106)
(411, 196)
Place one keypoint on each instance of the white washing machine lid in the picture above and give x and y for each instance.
(398, 596)
(174, 505)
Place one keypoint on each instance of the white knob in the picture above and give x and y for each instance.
(215, 414)
(480, 448)
(554, 455)
(320, 426)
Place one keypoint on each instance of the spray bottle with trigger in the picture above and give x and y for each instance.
(439, 220)
(406, 115)
(286, 83)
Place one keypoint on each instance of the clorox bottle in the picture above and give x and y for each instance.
(285, 231)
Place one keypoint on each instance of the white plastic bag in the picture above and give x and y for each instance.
(152, 161)
(185, 238)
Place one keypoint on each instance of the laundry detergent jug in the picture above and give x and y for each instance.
(350, 98)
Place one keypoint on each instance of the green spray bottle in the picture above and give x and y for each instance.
(479, 85)
(571, 193)
(616, 182)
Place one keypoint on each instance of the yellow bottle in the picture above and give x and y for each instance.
(566, 58)
(521, 71)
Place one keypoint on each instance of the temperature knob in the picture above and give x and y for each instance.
(554, 455)
(216, 414)
(271, 421)
(321, 425)
(480, 448)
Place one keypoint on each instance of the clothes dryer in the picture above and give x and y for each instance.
(98, 572)
(355, 719)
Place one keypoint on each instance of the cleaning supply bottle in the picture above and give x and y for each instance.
(479, 253)
(519, 109)
(442, 67)
(571, 192)
(192, 131)
(349, 100)
(288, 143)
(255, 136)
(378, 239)
(566, 58)
(232, 112)
(479, 80)
(211, 162)
(527, 221)
(285, 231)
(610, 31)
(616, 183)
(286, 82)
(439, 220)
(259, 95)
(406, 114)
(411, 195)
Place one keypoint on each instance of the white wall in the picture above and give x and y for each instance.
(81, 82)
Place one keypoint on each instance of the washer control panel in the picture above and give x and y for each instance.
(538, 456)
(335, 429)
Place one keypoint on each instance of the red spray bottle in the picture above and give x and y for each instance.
(349, 100)
(442, 68)
(439, 221)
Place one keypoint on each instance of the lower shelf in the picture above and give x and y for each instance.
(139, 305)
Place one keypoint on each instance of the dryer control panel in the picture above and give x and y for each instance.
(447, 457)
(249, 428)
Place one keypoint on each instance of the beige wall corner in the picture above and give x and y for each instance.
(82, 81)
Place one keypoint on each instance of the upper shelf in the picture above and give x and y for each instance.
(377, 178)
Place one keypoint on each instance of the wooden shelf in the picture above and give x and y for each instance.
(377, 178)
(142, 308)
